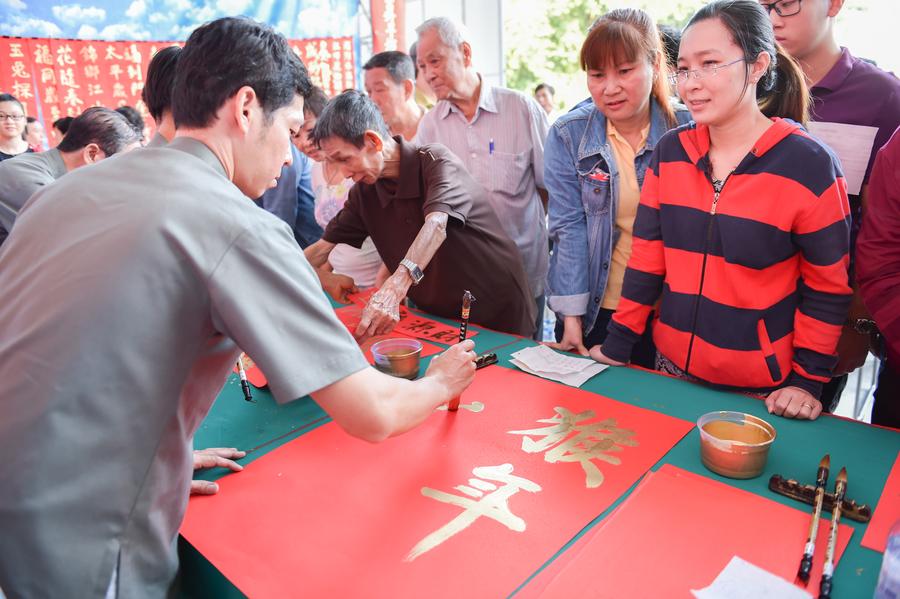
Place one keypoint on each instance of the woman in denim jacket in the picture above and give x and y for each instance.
(594, 162)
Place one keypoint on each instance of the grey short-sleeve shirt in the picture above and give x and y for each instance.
(119, 330)
(20, 177)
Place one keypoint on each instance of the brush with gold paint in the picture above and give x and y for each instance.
(467, 300)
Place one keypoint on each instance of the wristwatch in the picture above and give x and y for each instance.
(414, 271)
(864, 326)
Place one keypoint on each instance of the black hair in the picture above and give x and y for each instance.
(102, 126)
(546, 86)
(29, 120)
(397, 64)
(133, 117)
(62, 124)
(157, 92)
(412, 57)
(227, 54)
(316, 102)
(671, 38)
(782, 89)
(12, 98)
(348, 116)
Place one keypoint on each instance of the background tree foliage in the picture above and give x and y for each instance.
(542, 39)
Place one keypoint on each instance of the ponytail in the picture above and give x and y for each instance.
(782, 91)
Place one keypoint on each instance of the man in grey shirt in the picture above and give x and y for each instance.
(95, 134)
(497, 133)
(120, 329)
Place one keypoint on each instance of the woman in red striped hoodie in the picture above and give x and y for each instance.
(742, 233)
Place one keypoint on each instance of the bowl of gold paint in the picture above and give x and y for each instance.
(735, 444)
(398, 357)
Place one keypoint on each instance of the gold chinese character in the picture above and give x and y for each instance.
(111, 53)
(590, 441)
(54, 111)
(48, 75)
(115, 70)
(18, 70)
(134, 72)
(92, 71)
(94, 89)
(64, 55)
(488, 499)
(50, 96)
(22, 90)
(118, 91)
(136, 87)
(42, 54)
(15, 50)
(72, 99)
(89, 53)
(67, 78)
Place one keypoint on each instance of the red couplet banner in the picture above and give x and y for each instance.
(59, 77)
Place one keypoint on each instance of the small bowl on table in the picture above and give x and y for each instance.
(398, 357)
(735, 444)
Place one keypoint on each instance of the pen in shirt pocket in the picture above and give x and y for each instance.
(491, 146)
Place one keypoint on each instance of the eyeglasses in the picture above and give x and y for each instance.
(707, 71)
(13, 117)
(784, 8)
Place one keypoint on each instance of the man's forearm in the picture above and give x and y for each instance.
(427, 241)
(317, 254)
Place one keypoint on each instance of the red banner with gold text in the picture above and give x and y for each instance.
(54, 78)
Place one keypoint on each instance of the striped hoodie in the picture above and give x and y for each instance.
(752, 281)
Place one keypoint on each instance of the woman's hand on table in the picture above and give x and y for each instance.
(214, 457)
(793, 402)
(572, 339)
(597, 354)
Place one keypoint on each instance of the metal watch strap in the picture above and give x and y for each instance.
(414, 271)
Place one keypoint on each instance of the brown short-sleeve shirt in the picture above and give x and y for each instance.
(477, 254)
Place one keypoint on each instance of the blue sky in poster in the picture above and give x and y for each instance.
(170, 19)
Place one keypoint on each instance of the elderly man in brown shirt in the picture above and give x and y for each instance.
(431, 222)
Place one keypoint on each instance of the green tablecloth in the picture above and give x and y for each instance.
(867, 452)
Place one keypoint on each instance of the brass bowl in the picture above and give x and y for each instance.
(735, 444)
(398, 357)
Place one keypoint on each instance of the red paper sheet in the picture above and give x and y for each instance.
(886, 512)
(410, 325)
(678, 530)
(327, 515)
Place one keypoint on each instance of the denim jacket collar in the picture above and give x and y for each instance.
(594, 141)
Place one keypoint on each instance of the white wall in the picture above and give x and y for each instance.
(483, 18)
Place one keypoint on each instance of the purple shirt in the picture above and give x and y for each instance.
(856, 92)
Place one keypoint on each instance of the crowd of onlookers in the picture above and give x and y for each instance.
(682, 217)
(722, 252)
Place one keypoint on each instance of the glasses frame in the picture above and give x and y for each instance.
(701, 73)
(776, 6)
(12, 117)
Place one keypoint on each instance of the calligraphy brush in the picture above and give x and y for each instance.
(245, 386)
(810, 549)
(467, 300)
(840, 488)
